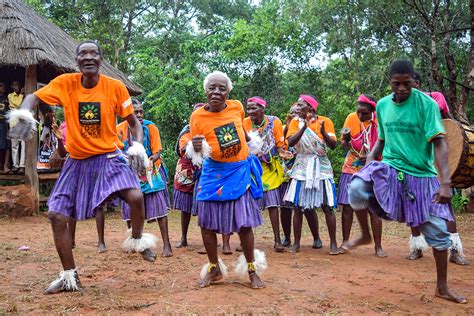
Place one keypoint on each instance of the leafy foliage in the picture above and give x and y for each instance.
(276, 49)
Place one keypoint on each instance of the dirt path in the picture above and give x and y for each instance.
(310, 281)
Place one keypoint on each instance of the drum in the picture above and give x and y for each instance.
(460, 139)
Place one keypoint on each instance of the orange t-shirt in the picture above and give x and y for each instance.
(223, 131)
(90, 114)
(183, 141)
(354, 124)
(351, 162)
(155, 139)
(315, 126)
(277, 129)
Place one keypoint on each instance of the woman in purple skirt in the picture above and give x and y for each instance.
(155, 191)
(230, 181)
(404, 185)
(359, 135)
(270, 129)
(95, 169)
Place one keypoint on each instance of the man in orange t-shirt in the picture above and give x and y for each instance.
(312, 180)
(95, 169)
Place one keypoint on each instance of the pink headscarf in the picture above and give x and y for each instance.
(310, 100)
(258, 100)
(363, 99)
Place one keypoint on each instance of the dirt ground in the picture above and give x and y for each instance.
(310, 281)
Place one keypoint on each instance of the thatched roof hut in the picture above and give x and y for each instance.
(30, 39)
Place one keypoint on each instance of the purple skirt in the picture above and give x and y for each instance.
(342, 193)
(270, 198)
(84, 184)
(393, 195)
(229, 216)
(184, 202)
(283, 187)
(157, 205)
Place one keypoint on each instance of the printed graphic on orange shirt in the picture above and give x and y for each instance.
(89, 119)
(228, 139)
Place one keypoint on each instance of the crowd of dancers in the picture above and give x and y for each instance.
(232, 167)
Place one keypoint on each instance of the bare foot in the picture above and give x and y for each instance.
(167, 252)
(317, 244)
(202, 251)
(213, 276)
(148, 255)
(182, 243)
(415, 255)
(345, 247)
(255, 282)
(226, 250)
(362, 240)
(102, 248)
(379, 253)
(457, 258)
(294, 248)
(447, 294)
(333, 249)
(278, 247)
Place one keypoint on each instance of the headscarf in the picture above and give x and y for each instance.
(364, 99)
(258, 100)
(310, 100)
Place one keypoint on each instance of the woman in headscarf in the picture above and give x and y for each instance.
(230, 181)
(270, 129)
(359, 135)
(312, 181)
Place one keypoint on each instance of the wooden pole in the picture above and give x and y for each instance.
(31, 148)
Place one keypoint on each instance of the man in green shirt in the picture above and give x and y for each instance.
(404, 185)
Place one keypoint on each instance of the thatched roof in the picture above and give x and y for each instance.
(27, 39)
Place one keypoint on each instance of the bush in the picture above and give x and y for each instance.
(459, 202)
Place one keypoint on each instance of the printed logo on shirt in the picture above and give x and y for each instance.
(228, 139)
(89, 119)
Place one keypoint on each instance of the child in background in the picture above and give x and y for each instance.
(18, 157)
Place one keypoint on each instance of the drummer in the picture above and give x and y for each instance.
(417, 241)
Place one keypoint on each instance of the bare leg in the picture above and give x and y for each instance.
(63, 243)
(274, 219)
(285, 217)
(163, 223)
(100, 223)
(376, 223)
(185, 219)
(297, 226)
(365, 238)
(313, 223)
(346, 221)
(247, 242)
(226, 244)
(331, 223)
(442, 290)
(71, 225)
(134, 198)
(209, 239)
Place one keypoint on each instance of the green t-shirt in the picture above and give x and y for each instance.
(408, 129)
